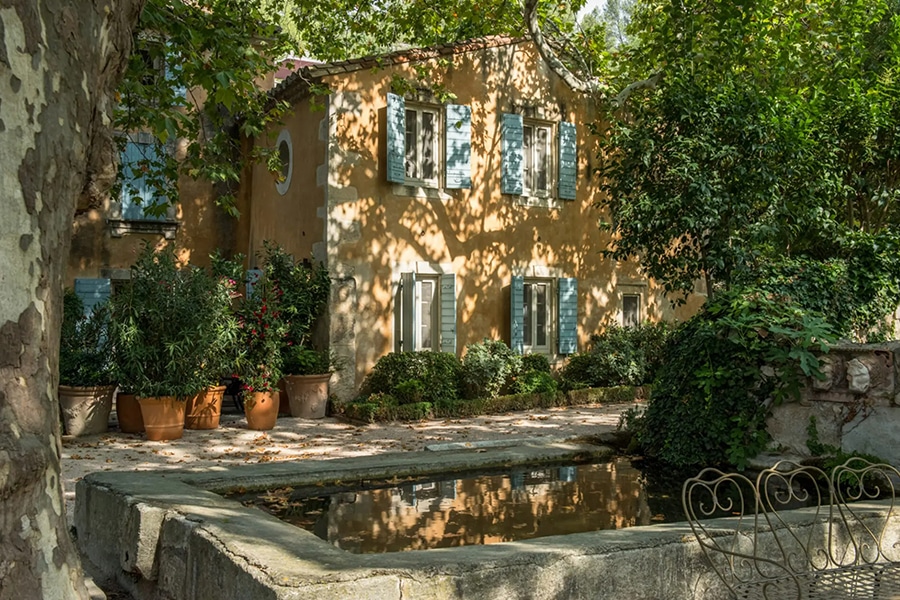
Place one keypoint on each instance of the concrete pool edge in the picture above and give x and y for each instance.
(165, 535)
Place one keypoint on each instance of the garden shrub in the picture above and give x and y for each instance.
(411, 391)
(618, 356)
(487, 369)
(534, 382)
(436, 372)
(724, 368)
(536, 362)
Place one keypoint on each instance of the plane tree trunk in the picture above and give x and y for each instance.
(59, 64)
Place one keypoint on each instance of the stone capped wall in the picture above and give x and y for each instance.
(856, 405)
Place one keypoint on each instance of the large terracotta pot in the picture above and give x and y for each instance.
(128, 412)
(203, 410)
(308, 395)
(163, 417)
(261, 409)
(85, 410)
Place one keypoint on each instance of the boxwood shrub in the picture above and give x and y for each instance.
(413, 377)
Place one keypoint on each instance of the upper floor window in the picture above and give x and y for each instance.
(139, 167)
(536, 146)
(422, 148)
(427, 144)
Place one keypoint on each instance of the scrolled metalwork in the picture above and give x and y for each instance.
(833, 549)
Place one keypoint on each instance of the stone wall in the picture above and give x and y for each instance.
(856, 405)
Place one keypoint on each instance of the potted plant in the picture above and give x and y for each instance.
(203, 410)
(165, 321)
(85, 370)
(303, 296)
(261, 333)
(307, 385)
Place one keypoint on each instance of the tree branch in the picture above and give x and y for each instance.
(591, 86)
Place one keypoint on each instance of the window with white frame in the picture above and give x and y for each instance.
(537, 144)
(426, 312)
(631, 310)
(422, 149)
(536, 307)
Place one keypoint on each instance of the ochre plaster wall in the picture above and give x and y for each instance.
(374, 231)
(295, 219)
(203, 229)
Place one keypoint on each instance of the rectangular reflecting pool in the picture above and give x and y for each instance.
(518, 504)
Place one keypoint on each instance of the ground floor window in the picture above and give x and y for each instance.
(631, 310)
(536, 316)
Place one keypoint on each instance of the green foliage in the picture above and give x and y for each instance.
(172, 327)
(750, 132)
(301, 294)
(534, 382)
(436, 372)
(536, 362)
(411, 391)
(618, 356)
(305, 361)
(193, 76)
(488, 368)
(84, 346)
(724, 369)
(262, 331)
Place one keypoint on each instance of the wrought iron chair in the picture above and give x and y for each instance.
(841, 545)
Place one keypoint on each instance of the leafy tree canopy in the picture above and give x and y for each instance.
(750, 131)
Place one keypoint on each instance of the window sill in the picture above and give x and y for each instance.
(120, 227)
(539, 201)
(419, 191)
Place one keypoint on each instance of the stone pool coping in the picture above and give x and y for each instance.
(165, 535)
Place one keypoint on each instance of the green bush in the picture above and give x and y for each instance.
(488, 368)
(723, 370)
(534, 382)
(84, 345)
(436, 372)
(410, 392)
(618, 356)
(536, 362)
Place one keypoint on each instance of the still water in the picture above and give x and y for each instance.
(519, 504)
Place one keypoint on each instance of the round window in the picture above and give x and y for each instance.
(286, 156)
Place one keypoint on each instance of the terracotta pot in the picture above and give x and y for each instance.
(85, 410)
(163, 417)
(128, 412)
(284, 407)
(261, 409)
(203, 410)
(308, 395)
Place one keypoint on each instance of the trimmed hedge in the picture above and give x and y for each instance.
(386, 408)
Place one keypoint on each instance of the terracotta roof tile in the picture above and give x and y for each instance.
(295, 86)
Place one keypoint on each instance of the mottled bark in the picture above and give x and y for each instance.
(59, 63)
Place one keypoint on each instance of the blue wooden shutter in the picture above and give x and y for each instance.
(568, 162)
(513, 159)
(409, 318)
(459, 147)
(253, 276)
(136, 192)
(568, 315)
(92, 292)
(517, 314)
(448, 313)
(396, 139)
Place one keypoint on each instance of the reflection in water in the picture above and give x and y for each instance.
(524, 503)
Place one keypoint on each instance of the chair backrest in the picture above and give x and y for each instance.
(769, 549)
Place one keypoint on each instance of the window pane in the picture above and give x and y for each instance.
(528, 151)
(526, 321)
(540, 314)
(428, 126)
(412, 135)
(631, 310)
(542, 159)
(426, 316)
